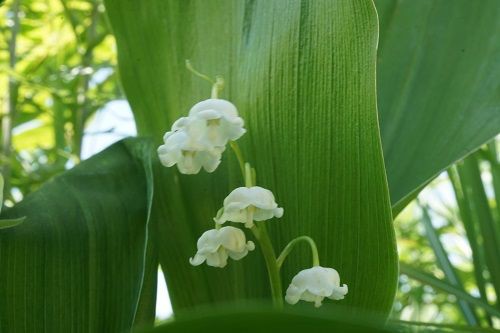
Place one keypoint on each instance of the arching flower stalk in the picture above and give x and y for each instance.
(198, 141)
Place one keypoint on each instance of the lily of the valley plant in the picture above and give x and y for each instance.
(198, 141)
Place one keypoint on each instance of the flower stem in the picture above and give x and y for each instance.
(217, 84)
(248, 175)
(239, 156)
(190, 68)
(260, 233)
(291, 245)
(217, 87)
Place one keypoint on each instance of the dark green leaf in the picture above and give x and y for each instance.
(262, 319)
(438, 87)
(76, 263)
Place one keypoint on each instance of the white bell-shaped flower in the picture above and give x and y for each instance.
(216, 245)
(190, 156)
(216, 121)
(314, 284)
(248, 204)
(198, 141)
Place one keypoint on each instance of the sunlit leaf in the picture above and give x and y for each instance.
(302, 74)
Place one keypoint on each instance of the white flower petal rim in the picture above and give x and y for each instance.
(314, 284)
(248, 204)
(215, 246)
(226, 108)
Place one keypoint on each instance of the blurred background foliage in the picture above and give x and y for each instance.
(58, 68)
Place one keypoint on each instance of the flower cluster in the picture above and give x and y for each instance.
(198, 140)
(243, 205)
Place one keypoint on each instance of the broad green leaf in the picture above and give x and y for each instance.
(438, 88)
(302, 74)
(76, 263)
(258, 318)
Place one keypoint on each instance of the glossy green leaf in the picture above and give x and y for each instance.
(76, 263)
(302, 74)
(438, 88)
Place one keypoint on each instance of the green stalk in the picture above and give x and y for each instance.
(239, 156)
(260, 233)
(291, 245)
(259, 230)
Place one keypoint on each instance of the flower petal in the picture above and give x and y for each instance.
(197, 260)
(225, 107)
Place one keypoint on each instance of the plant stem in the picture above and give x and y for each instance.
(260, 233)
(217, 87)
(217, 84)
(239, 156)
(291, 245)
(248, 175)
(259, 230)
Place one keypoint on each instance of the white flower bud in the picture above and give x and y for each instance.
(248, 204)
(314, 284)
(216, 245)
